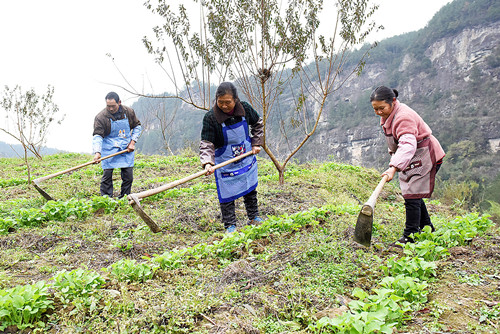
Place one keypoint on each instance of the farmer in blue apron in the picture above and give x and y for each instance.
(116, 128)
(230, 129)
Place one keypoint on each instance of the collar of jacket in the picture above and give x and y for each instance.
(116, 115)
(221, 117)
(387, 123)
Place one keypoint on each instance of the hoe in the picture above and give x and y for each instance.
(134, 199)
(364, 225)
(36, 182)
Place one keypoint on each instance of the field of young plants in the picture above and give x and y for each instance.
(89, 264)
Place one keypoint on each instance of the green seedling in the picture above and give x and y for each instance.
(78, 287)
(23, 306)
(130, 271)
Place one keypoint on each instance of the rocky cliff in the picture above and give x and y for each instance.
(448, 72)
(456, 92)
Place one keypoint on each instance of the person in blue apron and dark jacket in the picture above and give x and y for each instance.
(231, 128)
(116, 128)
(415, 153)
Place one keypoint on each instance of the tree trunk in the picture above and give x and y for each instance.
(281, 173)
(27, 163)
(279, 167)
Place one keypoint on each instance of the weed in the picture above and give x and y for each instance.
(124, 247)
(274, 325)
(48, 269)
(437, 309)
(472, 279)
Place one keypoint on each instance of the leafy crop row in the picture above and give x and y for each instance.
(228, 247)
(12, 182)
(57, 211)
(403, 290)
(80, 287)
(400, 293)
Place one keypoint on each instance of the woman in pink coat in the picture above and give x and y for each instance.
(415, 153)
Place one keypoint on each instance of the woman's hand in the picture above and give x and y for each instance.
(131, 146)
(209, 169)
(97, 157)
(390, 173)
(256, 149)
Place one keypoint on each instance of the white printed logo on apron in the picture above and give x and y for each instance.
(238, 149)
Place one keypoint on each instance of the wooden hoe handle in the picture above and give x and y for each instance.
(370, 204)
(173, 184)
(40, 179)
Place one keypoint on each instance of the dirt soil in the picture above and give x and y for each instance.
(470, 281)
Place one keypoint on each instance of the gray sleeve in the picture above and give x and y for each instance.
(207, 153)
(257, 131)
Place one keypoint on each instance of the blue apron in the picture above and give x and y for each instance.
(117, 140)
(240, 177)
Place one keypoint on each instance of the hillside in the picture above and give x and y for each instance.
(16, 150)
(89, 264)
(448, 72)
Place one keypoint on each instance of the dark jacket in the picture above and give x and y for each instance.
(102, 124)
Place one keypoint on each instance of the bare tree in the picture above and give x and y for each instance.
(267, 47)
(165, 121)
(28, 117)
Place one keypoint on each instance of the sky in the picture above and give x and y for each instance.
(66, 44)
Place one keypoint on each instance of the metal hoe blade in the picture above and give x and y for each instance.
(36, 182)
(134, 201)
(364, 226)
(42, 192)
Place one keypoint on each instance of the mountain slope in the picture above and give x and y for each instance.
(448, 72)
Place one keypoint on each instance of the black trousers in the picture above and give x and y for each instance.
(228, 209)
(127, 175)
(417, 216)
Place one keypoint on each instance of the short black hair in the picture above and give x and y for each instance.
(113, 96)
(226, 88)
(384, 93)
